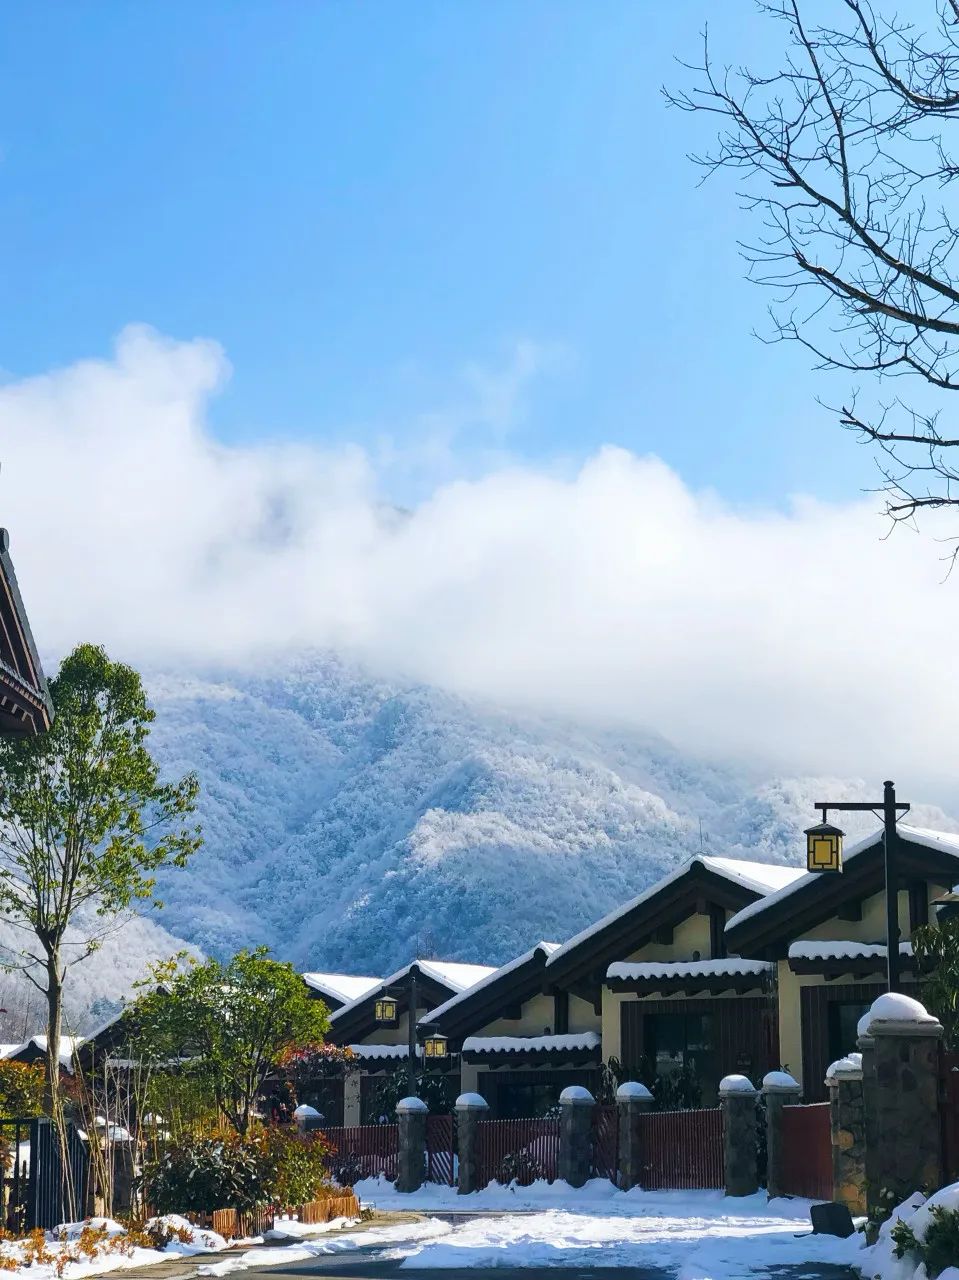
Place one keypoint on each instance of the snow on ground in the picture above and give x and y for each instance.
(307, 1249)
(698, 1235)
(65, 1239)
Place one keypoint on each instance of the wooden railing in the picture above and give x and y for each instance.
(683, 1149)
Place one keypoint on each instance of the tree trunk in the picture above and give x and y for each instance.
(54, 1101)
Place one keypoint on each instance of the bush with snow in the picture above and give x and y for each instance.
(920, 1240)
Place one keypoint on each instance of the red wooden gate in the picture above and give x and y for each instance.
(683, 1149)
(949, 1114)
(517, 1150)
(439, 1150)
(605, 1142)
(807, 1152)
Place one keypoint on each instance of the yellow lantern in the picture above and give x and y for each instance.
(823, 847)
(435, 1046)
(386, 1009)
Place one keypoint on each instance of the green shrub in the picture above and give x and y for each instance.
(939, 1246)
(198, 1175)
(269, 1167)
(295, 1167)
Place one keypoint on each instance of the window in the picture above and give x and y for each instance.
(681, 1042)
(844, 1016)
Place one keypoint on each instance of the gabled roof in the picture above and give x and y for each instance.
(338, 989)
(486, 1000)
(772, 922)
(437, 980)
(25, 705)
(729, 883)
(34, 1049)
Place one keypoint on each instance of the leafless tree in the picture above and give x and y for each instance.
(844, 158)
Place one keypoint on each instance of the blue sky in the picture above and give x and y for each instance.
(368, 203)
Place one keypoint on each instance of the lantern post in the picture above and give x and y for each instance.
(411, 1038)
(824, 854)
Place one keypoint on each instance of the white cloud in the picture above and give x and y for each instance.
(608, 591)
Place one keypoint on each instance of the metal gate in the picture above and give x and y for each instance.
(605, 1142)
(56, 1190)
(440, 1139)
(807, 1151)
(683, 1149)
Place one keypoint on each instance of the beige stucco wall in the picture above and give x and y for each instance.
(537, 1014)
(870, 929)
(692, 934)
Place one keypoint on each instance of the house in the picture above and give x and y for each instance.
(825, 936)
(25, 705)
(380, 1045)
(671, 998)
(521, 1039)
(35, 1050)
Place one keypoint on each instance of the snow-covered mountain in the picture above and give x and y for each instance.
(352, 822)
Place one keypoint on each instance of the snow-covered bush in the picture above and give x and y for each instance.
(920, 1239)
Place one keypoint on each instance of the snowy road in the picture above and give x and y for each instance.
(649, 1236)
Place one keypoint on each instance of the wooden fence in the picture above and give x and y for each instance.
(807, 1152)
(362, 1151)
(517, 1150)
(683, 1149)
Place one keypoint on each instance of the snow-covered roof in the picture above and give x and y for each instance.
(341, 986)
(943, 841)
(376, 1052)
(68, 1046)
(458, 977)
(761, 877)
(531, 1044)
(502, 972)
(824, 950)
(732, 966)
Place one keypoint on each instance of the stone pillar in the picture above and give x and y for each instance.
(411, 1150)
(780, 1090)
(737, 1097)
(633, 1100)
(308, 1118)
(847, 1126)
(120, 1158)
(867, 1056)
(470, 1110)
(576, 1135)
(352, 1109)
(905, 1129)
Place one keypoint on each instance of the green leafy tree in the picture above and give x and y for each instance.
(230, 1025)
(84, 823)
(936, 948)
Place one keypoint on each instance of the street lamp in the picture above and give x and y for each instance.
(436, 1045)
(386, 1010)
(824, 854)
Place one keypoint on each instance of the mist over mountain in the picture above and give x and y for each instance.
(352, 822)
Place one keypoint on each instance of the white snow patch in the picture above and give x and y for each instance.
(531, 1044)
(893, 1006)
(732, 966)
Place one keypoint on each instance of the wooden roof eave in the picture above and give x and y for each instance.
(360, 1021)
(25, 704)
(676, 902)
(857, 967)
(534, 1058)
(711, 985)
(768, 932)
(486, 1005)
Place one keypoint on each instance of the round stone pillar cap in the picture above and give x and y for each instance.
(576, 1096)
(780, 1082)
(737, 1086)
(471, 1102)
(633, 1090)
(304, 1110)
(847, 1068)
(411, 1104)
(894, 1014)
